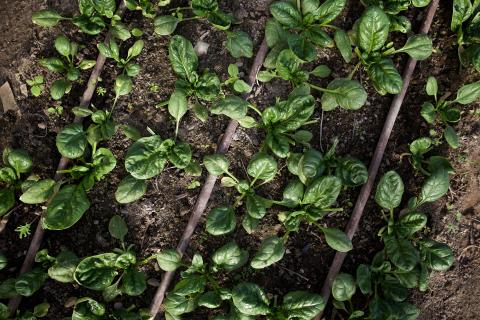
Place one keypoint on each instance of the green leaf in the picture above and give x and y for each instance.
(30, 282)
(41, 310)
(348, 94)
(220, 221)
(389, 191)
(64, 267)
(274, 33)
(241, 86)
(302, 304)
(165, 25)
(46, 18)
(293, 193)
(437, 256)
(329, 10)
(271, 251)
(71, 141)
(364, 278)
(230, 257)
(203, 8)
(169, 260)
(372, 31)
(249, 223)
(216, 164)
(451, 137)
(420, 146)
(120, 31)
(8, 175)
(385, 76)
(123, 85)
(468, 93)
(147, 157)
(431, 87)
(337, 239)
(302, 47)
(250, 299)
(7, 200)
(87, 308)
(105, 7)
(411, 223)
(352, 171)
(182, 57)
(86, 64)
(321, 71)
(323, 191)
(177, 106)
(435, 186)
(286, 14)
(256, 206)
(419, 47)
(3, 261)
(20, 160)
(133, 282)
(39, 192)
(62, 45)
(97, 272)
(52, 64)
(239, 44)
(262, 167)
(428, 112)
(103, 162)
(90, 25)
(135, 50)
(231, 106)
(130, 189)
(401, 252)
(462, 9)
(343, 287)
(210, 299)
(59, 88)
(180, 155)
(343, 44)
(66, 208)
(117, 227)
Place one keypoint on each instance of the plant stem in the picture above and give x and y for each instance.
(357, 66)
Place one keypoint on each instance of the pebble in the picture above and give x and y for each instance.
(153, 282)
(70, 302)
(201, 48)
(42, 125)
(24, 89)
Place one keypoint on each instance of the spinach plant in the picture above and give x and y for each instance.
(344, 92)
(369, 38)
(17, 163)
(262, 168)
(300, 26)
(444, 112)
(36, 85)
(466, 23)
(393, 8)
(87, 308)
(113, 273)
(309, 197)
(147, 7)
(91, 164)
(408, 257)
(69, 66)
(39, 311)
(419, 148)
(239, 43)
(93, 18)
(200, 287)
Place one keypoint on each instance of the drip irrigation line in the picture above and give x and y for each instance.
(364, 195)
(62, 164)
(207, 188)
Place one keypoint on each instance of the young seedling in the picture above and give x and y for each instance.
(112, 51)
(444, 112)
(68, 66)
(369, 38)
(148, 8)
(113, 273)
(262, 167)
(239, 43)
(465, 23)
(300, 26)
(88, 308)
(36, 85)
(92, 19)
(200, 287)
(408, 258)
(393, 8)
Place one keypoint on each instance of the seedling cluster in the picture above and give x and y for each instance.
(295, 32)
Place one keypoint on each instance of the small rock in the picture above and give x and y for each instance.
(153, 282)
(201, 48)
(70, 302)
(24, 89)
(42, 125)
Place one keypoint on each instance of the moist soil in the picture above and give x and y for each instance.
(157, 220)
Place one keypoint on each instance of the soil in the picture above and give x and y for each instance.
(157, 220)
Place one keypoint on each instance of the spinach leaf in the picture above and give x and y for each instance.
(271, 250)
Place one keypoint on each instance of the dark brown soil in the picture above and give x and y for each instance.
(157, 220)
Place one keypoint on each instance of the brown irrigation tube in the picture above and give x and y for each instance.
(84, 102)
(207, 188)
(352, 226)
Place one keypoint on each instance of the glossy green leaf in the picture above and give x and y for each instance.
(182, 57)
(337, 239)
(385, 76)
(147, 157)
(419, 47)
(230, 257)
(239, 44)
(437, 256)
(343, 287)
(271, 251)
(133, 282)
(323, 191)
(389, 191)
(302, 304)
(401, 252)
(348, 94)
(39, 192)
(231, 106)
(97, 272)
(262, 167)
(373, 27)
(71, 141)
(250, 299)
(220, 220)
(451, 137)
(286, 14)
(30, 282)
(59, 88)
(169, 260)
(216, 164)
(46, 18)
(468, 93)
(20, 160)
(343, 44)
(117, 227)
